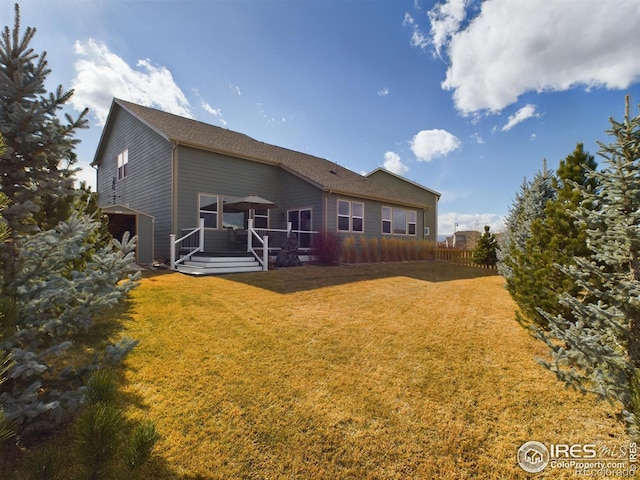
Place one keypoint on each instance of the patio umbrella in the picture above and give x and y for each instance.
(251, 202)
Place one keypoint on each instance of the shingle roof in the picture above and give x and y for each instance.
(323, 173)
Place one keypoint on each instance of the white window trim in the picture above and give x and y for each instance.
(407, 222)
(218, 196)
(351, 216)
(122, 163)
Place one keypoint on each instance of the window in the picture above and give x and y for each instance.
(426, 231)
(398, 221)
(300, 223)
(411, 222)
(357, 217)
(123, 164)
(350, 216)
(386, 220)
(344, 215)
(230, 216)
(208, 210)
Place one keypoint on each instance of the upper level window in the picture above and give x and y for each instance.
(208, 209)
(350, 216)
(123, 164)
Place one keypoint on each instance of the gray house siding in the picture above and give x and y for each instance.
(147, 185)
(200, 172)
(297, 194)
(413, 192)
(372, 218)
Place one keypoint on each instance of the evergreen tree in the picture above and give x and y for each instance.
(485, 251)
(555, 240)
(597, 347)
(516, 262)
(56, 276)
(36, 168)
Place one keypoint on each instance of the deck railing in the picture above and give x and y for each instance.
(278, 236)
(263, 241)
(187, 245)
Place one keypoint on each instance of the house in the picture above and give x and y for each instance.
(464, 239)
(181, 172)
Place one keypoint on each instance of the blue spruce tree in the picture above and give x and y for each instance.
(56, 275)
(597, 349)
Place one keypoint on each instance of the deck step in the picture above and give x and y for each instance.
(191, 270)
(215, 265)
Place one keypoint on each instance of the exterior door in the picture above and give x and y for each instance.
(300, 223)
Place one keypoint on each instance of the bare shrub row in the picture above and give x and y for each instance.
(366, 250)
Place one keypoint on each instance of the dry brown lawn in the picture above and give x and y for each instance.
(376, 371)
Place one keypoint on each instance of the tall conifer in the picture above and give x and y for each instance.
(596, 348)
(56, 274)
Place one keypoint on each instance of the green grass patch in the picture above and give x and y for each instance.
(395, 371)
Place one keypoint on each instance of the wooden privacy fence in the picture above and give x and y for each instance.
(461, 257)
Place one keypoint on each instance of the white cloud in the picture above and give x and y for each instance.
(445, 21)
(393, 163)
(469, 221)
(418, 39)
(514, 46)
(384, 92)
(476, 136)
(235, 89)
(429, 144)
(102, 75)
(526, 112)
(533, 137)
(216, 112)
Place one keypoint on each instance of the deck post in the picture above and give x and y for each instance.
(201, 234)
(289, 227)
(249, 233)
(172, 249)
(265, 253)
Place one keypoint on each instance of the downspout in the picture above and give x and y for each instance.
(325, 215)
(174, 187)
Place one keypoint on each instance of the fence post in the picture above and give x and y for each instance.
(265, 253)
(289, 227)
(172, 243)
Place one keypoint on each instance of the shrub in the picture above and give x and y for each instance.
(426, 250)
(141, 444)
(364, 250)
(374, 253)
(326, 249)
(385, 249)
(349, 254)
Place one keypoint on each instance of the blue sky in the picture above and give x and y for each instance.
(463, 96)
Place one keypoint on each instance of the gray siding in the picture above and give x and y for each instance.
(210, 173)
(298, 194)
(412, 191)
(147, 186)
(372, 218)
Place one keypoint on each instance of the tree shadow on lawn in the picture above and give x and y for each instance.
(311, 277)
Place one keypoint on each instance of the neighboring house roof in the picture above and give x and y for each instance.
(323, 173)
